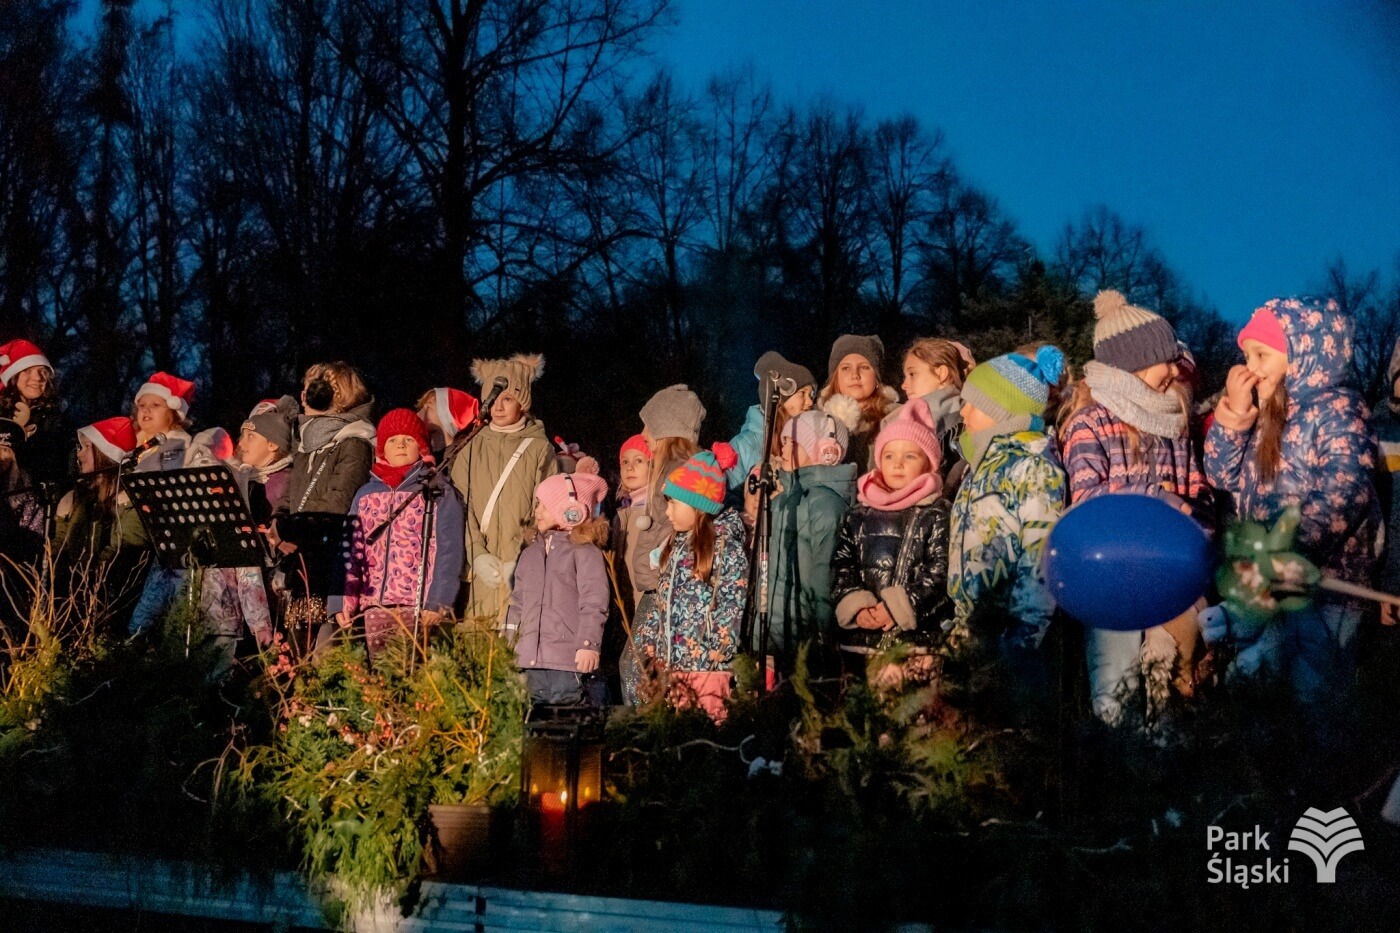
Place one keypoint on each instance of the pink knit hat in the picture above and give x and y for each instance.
(1266, 329)
(914, 423)
(571, 498)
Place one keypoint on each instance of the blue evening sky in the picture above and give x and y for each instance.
(1254, 140)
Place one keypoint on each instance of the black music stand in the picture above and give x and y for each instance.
(196, 517)
(323, 551)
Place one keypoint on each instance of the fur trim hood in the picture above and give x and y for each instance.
(849, 412)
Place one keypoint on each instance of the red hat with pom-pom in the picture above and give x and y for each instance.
(174, 391)
(572, 498)
(699, 482)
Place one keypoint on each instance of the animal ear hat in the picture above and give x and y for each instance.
(519, 371)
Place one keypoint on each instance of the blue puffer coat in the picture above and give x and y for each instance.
(1327, 456)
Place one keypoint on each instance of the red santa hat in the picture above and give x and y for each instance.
(177, 392)
(115, 437)
(17, 356)
(455, 410)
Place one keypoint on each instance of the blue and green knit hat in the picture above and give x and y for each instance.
(1011, 385)
(700, 482)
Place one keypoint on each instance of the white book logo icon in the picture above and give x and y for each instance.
(1326, 838)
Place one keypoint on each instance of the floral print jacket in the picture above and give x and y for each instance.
(693, 626)
(1328, 454)
(1002, 515)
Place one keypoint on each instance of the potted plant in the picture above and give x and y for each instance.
(360, 753)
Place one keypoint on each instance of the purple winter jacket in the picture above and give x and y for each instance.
(559, 603)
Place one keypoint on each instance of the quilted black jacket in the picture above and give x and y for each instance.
(896, 558)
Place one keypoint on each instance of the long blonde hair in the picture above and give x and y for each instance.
(665, 451)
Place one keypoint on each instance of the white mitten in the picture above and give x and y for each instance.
(488, 570)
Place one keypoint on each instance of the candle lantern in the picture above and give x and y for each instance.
(561, 775)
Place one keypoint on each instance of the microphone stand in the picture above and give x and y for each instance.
(754, 631)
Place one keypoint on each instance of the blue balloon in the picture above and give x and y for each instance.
(1127, 562)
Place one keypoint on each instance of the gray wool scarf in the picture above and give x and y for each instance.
(1130, 400)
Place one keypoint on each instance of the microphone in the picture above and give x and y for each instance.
(498, 385)
(786, 385)
(151, 444)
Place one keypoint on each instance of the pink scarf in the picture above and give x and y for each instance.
(872, 491)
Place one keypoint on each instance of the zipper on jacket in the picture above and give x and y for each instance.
(544, 594)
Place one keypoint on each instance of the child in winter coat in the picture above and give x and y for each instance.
(1126, 430)
(265, 444)
(336, 451)
(1304, 442)
(162, 409)
(890, 567)
(29, 398)
(561, 597)
(386, 568)
(331, 462)
(934, 370)
(689, 633)
(815, 488)
(634, 465)
(854, 394)
(671, 429)
(236, 598)
(21, 521)
(497, 474)
(1009, 500)
(748, 443)
(99, 545)
(1385, 426)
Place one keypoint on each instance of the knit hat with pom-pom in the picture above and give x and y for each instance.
(699, 482)
(675, 411)
(1010, 385)
(1130, 338)
(572, 498)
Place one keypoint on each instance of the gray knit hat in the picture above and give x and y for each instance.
(675, 411)
(277, 424)
(870, 347)
(774, 362)
(1128, 337)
